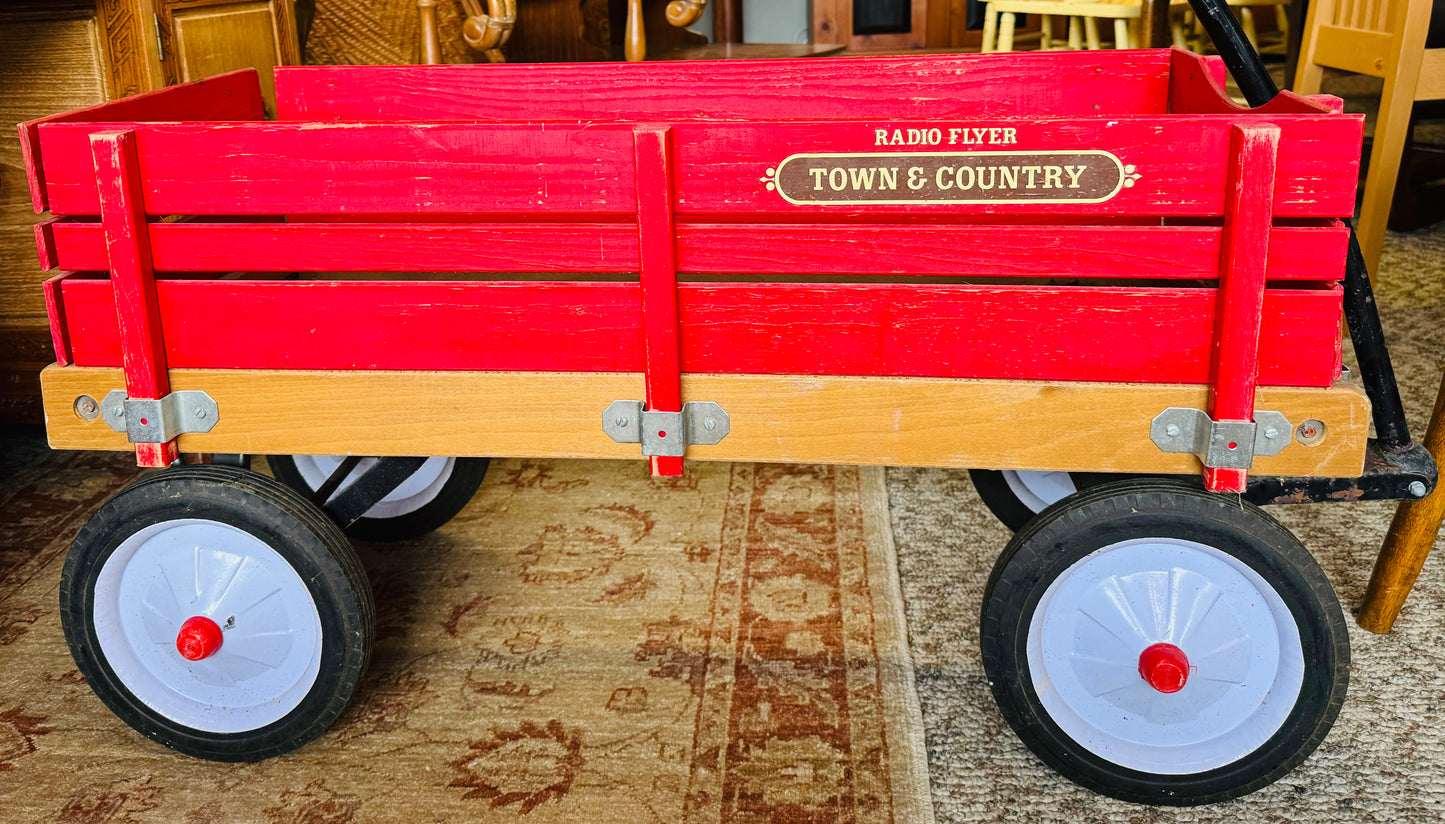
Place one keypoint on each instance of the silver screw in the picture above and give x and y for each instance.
(709, 424)
(118, 410)
(621, 421)
(200, 413)
(1417, 488)
(1271, 433)
(1172, 431)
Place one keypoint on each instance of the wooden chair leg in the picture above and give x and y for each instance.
(1091, 32)
(990, 29)
(1121, 33)
(1076, 33)
(1408, 542)
(1046, 32)
(1006, 32)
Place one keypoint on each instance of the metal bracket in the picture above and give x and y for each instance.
(158, 421)
(665, 434)
(1220, 444)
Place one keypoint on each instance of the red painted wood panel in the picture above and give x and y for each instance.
(340, 325)
(1235, 366)
(292, 169)
(913, 87)
(1174, 252)
(55, 313)
(231, 96)
(721, 167)
(657, 242)
(1029, 333)
(1196, 86)
(142, 344)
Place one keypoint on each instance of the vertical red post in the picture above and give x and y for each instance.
(1248, 215)
(127, 242)
(658, 252)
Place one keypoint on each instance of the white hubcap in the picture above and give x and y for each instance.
(165, 574)
(414, 493)
(1039, 490)
(1243, 646)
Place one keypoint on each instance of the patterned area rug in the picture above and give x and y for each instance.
(582, 644)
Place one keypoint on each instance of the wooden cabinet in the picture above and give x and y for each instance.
(155, 43)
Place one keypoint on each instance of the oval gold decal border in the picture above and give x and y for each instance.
(909, 178)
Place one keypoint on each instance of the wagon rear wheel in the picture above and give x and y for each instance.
(1014, 495)
(1162, 645)
(217, 612)
(433, 495)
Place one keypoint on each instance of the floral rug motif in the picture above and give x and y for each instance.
(582, 644)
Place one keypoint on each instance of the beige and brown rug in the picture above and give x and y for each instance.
(582, 644)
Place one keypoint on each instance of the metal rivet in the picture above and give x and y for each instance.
(1417, 488)
(621, 422)
(709, 424)
(1172, 431)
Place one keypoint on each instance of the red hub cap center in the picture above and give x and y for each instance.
(1165, 667)
(199, 638)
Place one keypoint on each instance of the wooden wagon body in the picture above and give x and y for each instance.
(1090, 262)
(879, 260)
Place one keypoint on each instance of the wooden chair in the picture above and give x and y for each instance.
(999, 20)
(1381, 38)
(1188, 35)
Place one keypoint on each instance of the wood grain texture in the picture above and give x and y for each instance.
(657, 251)
(1072, 332)
(1408, 543)
(1238, 320)
(232, 96)
(284, 168)
(794, 419)
(132, 280)
(885, 87)
(1308, 253)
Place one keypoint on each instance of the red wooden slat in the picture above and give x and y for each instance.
(886, 87)
(232, 96)
(142, 344)
(274, 168)
(590, 327)
(55, 313)
(368, 247)
(1242, 275)
(293, 169)
(1185, 252)
(657, 244)
(46, 248)
(1181, 163)
(1028, 333)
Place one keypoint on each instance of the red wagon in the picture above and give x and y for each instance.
(939, 261)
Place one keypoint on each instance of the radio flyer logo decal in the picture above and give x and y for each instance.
(1088, 176)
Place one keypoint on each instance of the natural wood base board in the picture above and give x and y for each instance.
(1101, 427)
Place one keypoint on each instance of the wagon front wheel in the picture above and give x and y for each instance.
(217, 612)
(1162, 645)
(426, 500)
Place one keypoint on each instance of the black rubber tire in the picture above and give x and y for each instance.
(281, 519)
(1004, 503)
(453, 497)
(1153, 507)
